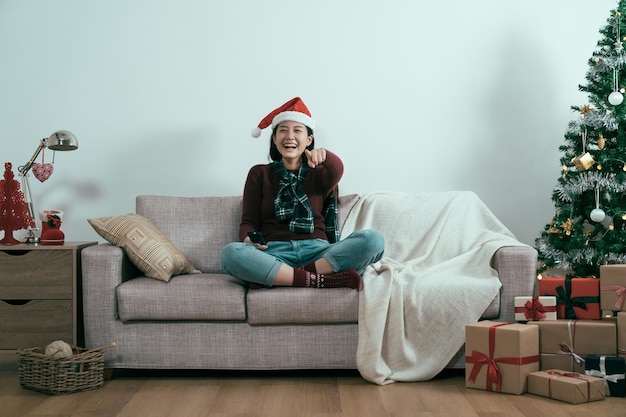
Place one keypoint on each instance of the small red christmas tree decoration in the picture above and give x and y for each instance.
(13, 209)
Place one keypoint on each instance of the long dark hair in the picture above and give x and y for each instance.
(276, 156)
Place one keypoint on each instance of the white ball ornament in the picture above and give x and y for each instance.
(616, 98)
(597, 215)
(59, 349)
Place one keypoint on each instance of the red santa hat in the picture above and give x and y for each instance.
(294, 110)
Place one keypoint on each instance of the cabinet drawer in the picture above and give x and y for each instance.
(36, 274)
(35, 323)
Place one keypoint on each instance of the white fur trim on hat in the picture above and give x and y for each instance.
(293, 116)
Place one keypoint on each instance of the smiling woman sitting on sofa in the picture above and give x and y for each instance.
(291, 202)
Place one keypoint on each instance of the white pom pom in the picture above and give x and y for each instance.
(256, 132)
(59, 349)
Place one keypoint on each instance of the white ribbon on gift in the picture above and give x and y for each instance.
(568, 349)
(602, 374)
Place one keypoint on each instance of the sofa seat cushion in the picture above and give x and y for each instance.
(287, 305)
(214, 297)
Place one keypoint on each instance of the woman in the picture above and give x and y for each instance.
(292, 203)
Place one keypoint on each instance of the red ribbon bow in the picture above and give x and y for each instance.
(534, 310)
(494, 377)
(554, 374)
(619, 290)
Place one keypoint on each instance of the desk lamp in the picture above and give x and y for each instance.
(61, 140)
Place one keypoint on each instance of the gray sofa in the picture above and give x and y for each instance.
(212, 321)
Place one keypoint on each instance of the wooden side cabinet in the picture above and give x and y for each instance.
(40, 294)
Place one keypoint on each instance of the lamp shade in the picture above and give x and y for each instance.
(62, 140)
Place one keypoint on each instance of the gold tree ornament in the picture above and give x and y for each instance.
(585, 110)
(583, 161)
(567, 226)
(601, 142)
(553, 229)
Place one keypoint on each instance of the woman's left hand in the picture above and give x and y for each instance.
(315, 156)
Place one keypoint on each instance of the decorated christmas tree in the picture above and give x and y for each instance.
(13, 209)
(589, 225)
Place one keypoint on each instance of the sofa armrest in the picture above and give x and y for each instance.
(104, 267)
(517, 269)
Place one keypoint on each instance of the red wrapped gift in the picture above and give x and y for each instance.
(576, 298)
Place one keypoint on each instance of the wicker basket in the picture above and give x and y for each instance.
(80, 372)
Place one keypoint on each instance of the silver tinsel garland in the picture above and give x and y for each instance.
(588, 181)
(567, 260)
(594, 120)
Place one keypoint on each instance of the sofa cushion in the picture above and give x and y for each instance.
(346, 203)
(146, 246)
(288, 305)
(199, 226)
(214, 297)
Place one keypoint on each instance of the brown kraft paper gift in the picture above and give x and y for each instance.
(499, 356)
(565, 386)
(563, 344)
(613, 287)
(621, 334)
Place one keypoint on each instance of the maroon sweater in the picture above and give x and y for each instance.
(260, 191)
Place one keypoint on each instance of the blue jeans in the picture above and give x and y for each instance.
(357, 251)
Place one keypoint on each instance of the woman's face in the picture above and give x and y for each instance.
(291, 139)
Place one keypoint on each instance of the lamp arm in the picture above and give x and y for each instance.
(23, 170)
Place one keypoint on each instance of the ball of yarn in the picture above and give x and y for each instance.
(59, 349)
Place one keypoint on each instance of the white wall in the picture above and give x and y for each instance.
(413, 95)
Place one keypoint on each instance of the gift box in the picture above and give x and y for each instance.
(621, 334)
(535, 308)
(565, 386)
(613, 287)
(611, 369)
(499, 356)
(576, 298)
(564, 344)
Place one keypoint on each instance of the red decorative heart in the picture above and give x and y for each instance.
(42, 171)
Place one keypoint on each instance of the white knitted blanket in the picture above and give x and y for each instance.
(435, 277)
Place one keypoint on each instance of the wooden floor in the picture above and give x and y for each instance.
(338, 394)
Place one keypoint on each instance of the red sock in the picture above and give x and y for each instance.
(348, 278)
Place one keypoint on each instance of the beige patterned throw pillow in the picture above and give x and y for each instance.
(146, 246)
